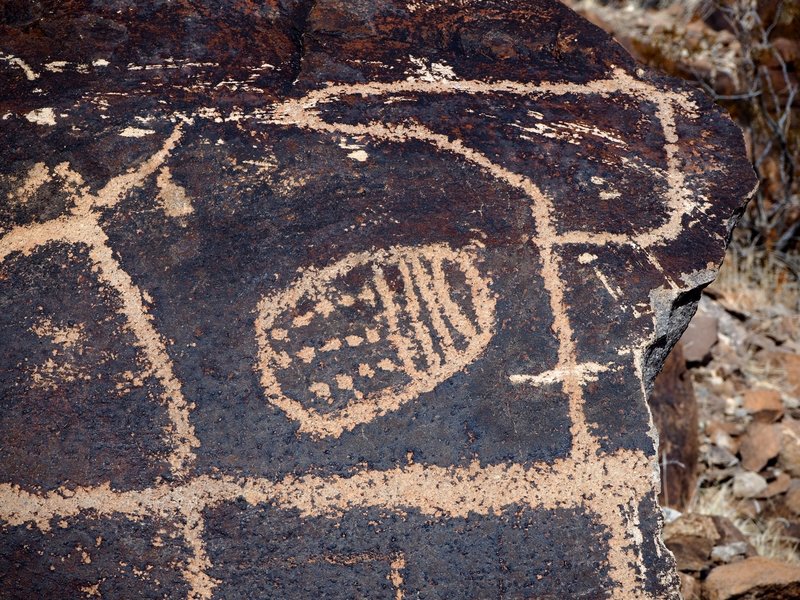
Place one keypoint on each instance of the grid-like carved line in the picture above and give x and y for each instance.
(461, 490)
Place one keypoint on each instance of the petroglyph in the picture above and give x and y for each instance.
(35, 178)
(173, 197)
(407, 305)
(407, 316)
(305, 112)
(67, 335)
(460, 491)
(357, 337)
(30, 74)
(583, 373)
(42, 116)
(82, 227)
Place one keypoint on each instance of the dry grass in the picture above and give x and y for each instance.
(753, 280)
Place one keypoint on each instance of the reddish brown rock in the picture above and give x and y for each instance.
(791, 365)
(691, 537)
(701, 541)
(760, 444)
(342, 299)
(789, 459)
(674, 409)
(699, 337)
(691, 589)
(764, 405)
(777, 486)
(755, 578)
(792, 498)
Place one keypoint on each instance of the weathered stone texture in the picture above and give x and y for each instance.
(674, 409)
(342, 299)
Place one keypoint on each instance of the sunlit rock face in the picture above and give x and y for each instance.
(341, 299)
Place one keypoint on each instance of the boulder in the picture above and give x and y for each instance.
(755, 578)
(342, 299)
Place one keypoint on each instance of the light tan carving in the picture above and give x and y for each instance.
(578, 481)
(82, 227)
(395, 316)
(66, 336)
(173, 197)
(37, 176)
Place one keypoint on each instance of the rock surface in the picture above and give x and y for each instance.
(755, 578)
(342, 298)
(674, 409)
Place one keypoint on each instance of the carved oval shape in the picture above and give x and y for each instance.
(354, 340)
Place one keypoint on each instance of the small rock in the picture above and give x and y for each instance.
(740, 413)
(728, 552)
(764, 405)
(721, 434)
(730, 534)
(728, 531)
(692, 524)
(760, 444)
(777, 486)
(755, 578)
(690, 538)
(791, 366)
(789, 459)
(699, 337)
(748, 485)
(692, 554)
(691, 589)
(670, 514)
(717, 456)
(792, 498)
(731, 406)
(716, 475)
